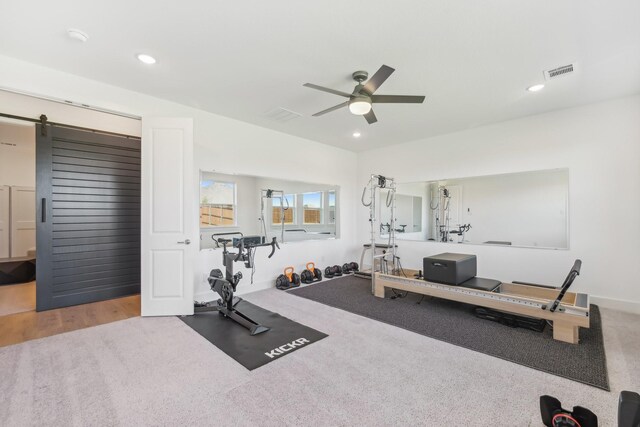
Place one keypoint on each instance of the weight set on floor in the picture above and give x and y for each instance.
(334, 271)
(349, 267)
(289, 279)
(311, 274)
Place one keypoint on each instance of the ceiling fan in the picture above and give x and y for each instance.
(362, 97)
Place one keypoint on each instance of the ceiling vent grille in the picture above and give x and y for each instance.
(281, 115)
(559, 71)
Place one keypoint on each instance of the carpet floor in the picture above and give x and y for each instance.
(455, 323)
(159, 371)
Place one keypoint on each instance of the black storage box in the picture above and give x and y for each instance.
(450, 269)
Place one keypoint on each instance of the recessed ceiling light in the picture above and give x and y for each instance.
(147, 59)
(356, 134)
(535, 88)
(77, 35)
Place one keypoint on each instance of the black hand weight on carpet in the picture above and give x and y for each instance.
(289, 279)
(311, 274)
(349, 267)
(334, 271)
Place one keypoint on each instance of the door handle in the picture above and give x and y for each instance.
(43, 209)
(185, 242)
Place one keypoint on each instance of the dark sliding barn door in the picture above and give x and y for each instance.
(88, 219)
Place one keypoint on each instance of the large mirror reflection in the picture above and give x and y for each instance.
(259, 208)
(529, 209)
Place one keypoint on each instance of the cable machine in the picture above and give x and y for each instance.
(442, 200)
(272, 194)
(376, 183)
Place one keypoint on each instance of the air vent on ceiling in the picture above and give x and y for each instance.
(281, 115)
(559, 71)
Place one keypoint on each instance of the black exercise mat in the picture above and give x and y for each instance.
(455, 323)
(285, 336)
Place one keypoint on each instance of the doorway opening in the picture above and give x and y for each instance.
(17, 217)
(69, 218)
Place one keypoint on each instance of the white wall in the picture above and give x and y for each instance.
(18, 170)
(221, 144)
(599, 143)
(17, 154)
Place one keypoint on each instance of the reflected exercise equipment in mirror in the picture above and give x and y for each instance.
(258, 209)
(525, 209)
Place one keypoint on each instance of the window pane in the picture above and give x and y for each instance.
(289, 213)
(312, 208)
(331, 211)
(217, 203)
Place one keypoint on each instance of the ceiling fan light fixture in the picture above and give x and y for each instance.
(359, 107)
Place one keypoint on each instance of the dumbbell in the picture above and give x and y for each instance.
(311, 274)
(334, 271)
(289, 279)
(349, 267)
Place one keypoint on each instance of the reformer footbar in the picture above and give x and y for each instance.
(226, 286)
(575, 271)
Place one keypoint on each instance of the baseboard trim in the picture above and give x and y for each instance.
(616, 304)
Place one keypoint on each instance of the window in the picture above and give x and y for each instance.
(289, 209)
(312, 208)
(332, 208)
(217, 203)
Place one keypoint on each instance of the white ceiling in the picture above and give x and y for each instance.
(241, 59)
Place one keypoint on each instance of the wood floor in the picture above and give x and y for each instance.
(20, 322)
(17, 298)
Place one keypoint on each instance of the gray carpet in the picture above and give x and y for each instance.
(159, 372)
(455, 323)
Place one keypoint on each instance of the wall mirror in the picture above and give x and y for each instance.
(234, 206)
(525, 209)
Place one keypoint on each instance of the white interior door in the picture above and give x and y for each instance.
(169, 222)
(23, 220)
(4, 221)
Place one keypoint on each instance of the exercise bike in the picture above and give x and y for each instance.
(226, 285)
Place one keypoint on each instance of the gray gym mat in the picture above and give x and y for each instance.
(284, 337)
(455, 323)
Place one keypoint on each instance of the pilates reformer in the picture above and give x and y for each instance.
(568, 311)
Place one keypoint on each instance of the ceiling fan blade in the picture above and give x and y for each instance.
(397, 99)
(371, 117)
(326, 89)
(377, 79)
(328, 110)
